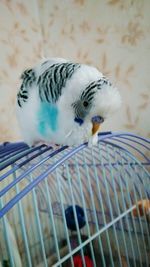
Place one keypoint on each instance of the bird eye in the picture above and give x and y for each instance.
(85, 104)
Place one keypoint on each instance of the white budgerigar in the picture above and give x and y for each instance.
(61, 102)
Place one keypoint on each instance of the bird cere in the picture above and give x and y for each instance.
(61, 102)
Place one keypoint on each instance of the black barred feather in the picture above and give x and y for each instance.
(91, 89)
(83, 105)
(53, 79)
(28, 77)
(49, 83)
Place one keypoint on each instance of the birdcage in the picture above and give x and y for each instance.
(76, 206)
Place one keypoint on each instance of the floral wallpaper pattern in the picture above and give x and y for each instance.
(112, 35)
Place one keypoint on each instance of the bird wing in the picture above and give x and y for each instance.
(49, 80)
(53, 79)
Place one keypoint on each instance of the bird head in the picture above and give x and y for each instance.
(99, 100)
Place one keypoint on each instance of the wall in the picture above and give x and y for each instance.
(112, 35)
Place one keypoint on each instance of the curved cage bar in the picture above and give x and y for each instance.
(108, 182)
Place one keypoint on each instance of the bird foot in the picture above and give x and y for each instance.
(93, 141)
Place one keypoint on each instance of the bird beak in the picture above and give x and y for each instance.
(95, 128)
(96, 121)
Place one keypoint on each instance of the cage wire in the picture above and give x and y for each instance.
(76, 206)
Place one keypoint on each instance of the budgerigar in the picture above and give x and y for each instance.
(61, 102)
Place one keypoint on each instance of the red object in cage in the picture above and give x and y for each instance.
(78, 262)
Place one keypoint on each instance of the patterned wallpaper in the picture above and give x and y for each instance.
(112, 35)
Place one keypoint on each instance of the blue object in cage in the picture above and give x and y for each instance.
(71, 220)
(103, 193)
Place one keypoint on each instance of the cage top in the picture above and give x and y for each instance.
(16, 156)
(135, 145)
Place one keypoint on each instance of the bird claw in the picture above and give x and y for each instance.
(93, 141)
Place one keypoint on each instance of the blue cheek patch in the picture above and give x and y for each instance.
(79, 121)
(48, 118)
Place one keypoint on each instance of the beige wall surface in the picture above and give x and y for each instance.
(113, 35)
